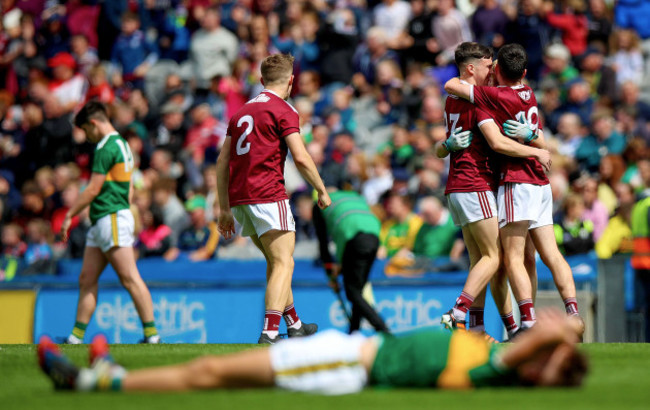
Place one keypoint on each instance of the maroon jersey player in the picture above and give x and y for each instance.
(250, 172)
(524, 197)
(470, 193)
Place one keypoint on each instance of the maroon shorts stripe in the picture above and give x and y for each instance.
(487, 205)
(284, 218)
(480, 201)
(280, 215)
(512, 203)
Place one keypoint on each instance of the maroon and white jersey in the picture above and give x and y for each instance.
(470, 169)
(258, 149)
(508, 103)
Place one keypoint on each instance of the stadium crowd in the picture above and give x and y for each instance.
(368, 92)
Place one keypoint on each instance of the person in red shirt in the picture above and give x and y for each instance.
(470, 191)
(524, 198)
(250, 172)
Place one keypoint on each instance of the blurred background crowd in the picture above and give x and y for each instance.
(368, 92)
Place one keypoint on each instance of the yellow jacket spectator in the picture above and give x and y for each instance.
(402, 227)
(617, 237)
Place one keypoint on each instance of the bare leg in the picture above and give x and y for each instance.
(94, 263)
(251, 368)
(484, 249)
(259, 245)
(544, 239)
(278, 247)
(500, 294)
(531, 264)
(513, 238)
(123, 261)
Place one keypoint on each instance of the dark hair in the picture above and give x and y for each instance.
(93, 110)
(469, 50)
(513, 61)
(157, 216)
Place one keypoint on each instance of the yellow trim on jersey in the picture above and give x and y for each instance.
(466, 351)
(116, 235)
(315, 368)
(118, 173)
(213, 239)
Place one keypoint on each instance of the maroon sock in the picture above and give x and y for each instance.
(272, 321)
(571, 306)
(527, 310)
(476, 317)
(290, 315)
(509, 322)
(462, 305)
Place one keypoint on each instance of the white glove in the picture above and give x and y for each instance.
(458, 140)
(520, 129)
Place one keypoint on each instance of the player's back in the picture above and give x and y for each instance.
(510, 103)
(470, 169)
(258, 149)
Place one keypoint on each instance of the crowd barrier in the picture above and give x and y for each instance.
(223, 301)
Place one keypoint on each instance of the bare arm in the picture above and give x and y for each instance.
(85, 198)
(226, 223)
(504, 145)
(459, 89)
(441, 151)
(223, 176)
(307, 168)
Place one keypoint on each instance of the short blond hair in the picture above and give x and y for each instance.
(277, 68)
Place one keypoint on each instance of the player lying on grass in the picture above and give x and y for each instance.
(334, 363)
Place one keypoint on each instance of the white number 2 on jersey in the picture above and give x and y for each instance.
(129, 163)
(241, 148)
(453, 118)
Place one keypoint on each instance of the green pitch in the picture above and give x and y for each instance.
(618, 380)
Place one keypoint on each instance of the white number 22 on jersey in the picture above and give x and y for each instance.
(129, 163)
(241, 148)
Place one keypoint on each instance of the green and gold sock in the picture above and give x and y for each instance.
(149, 329)
(79, 330)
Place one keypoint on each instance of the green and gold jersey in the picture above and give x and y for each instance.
(434, 358)
(114, 159)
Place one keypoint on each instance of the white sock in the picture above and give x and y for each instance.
(527, 324)
(271, 333)
(296, 325)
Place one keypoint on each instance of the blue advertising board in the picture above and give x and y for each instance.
(235, 315)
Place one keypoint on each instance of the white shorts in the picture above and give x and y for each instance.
(525, 202)
(112, 230)
(258, 219)
(326, 363)
(468, 207)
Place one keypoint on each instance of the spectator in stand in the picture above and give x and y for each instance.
(400, 229)
(489, 23)
(54, 37)
(392, 16)
(557, 60)
(450, 28)
(33, 206)
(600, 76)
(579, 100)
(132, 53)
(204, 134)
(574, 234)
(12, 241)
(627, 59)
(301, 41)
(380, 181)
(199, 241)
(39, 258)
(338, 50)
(310, 88)
(69, 196)
(617, 237)
(85, 56)
(604, 140)
(174, 214)
(155, 240)
(170, 133)
(99, 90)
(369, 55)
(415, 42)
(67, 87)
(593, 209)
(572, 22)
(213, 48)
(532, 32)
(570, 134)
(438, 235)
(600, 25)
(610, 171)
(10, 198)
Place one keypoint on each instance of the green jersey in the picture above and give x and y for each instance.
(114, 159)
(434, 358)
(434, 241)
(348, 215)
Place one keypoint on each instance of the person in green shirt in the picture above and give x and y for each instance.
(438, 234)
(355, 231)
(332, 362)
(110, 238)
